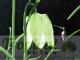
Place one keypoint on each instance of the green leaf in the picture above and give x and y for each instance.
(74, 12)
(6, 53)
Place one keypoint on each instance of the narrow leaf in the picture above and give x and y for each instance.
(74, 12)
(6, 53)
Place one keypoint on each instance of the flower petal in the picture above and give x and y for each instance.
(48, 30)
(29, 37)
(41, 30)
(37, 30)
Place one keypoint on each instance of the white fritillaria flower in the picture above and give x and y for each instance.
(39, 30)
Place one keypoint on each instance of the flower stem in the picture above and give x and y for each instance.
(25, 26)
(19, 38)
(62, 28)
(46, 58)
(24, 29)
(25, 43)
(6, 53)
(9, 43)
(73, 34)
(13, 28)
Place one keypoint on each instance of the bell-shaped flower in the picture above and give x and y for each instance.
(39, 30)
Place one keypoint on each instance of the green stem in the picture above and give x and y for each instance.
(35, 58)
(46, 58)
(25, 26)
(6, 53)
(9, 43)
(13, 28)
(62, 28)
(19, 38)
(74, 12)
(25, 43)
(73, 34)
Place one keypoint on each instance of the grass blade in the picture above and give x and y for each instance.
(73, 13)
(6, 53)
(73, 34)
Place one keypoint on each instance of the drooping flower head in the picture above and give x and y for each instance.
(39, 30)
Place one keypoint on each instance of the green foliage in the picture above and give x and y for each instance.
(6, 53)
(74, 12)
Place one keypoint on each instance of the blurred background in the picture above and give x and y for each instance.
(57, 10)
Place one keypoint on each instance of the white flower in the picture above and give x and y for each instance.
(39, 30)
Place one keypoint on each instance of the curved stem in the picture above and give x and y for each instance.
(46, 58)
(25, 33)
(9, 43)
(25, 26)
(74, 12)
(36, 58)
(19, 38)
(73, 34)
(62, 28)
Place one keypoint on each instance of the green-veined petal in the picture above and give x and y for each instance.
(48, 30)
(29, 37)
(41, 30)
